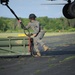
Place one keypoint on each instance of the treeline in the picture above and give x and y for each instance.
(49, 24)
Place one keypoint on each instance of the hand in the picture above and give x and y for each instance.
(33, 35)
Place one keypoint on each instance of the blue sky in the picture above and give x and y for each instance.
(25, 7)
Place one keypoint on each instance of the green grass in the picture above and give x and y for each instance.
(58, 33)
(4, 35)
(69, 58)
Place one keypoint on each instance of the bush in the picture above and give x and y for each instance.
(0, 31)
(71, 30)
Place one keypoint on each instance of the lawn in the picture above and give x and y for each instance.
(5, 35)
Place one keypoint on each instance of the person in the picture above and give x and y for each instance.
(37, 34)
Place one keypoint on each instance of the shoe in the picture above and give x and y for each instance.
(37, 55)
(45, 47)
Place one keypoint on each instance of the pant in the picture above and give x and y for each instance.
(38, 40)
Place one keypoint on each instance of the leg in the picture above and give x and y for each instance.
(42, 44)
(36, 48)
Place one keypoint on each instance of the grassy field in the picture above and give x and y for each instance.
(58, 33)
(5, 35)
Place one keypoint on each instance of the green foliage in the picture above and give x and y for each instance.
(71, 29)
(48, 24)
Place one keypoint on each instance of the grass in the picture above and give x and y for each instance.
(69, 58)
(5, 35)
(58, 33)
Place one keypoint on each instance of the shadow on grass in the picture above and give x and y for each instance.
(64, 50)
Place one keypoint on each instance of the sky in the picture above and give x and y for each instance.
(25, 7)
